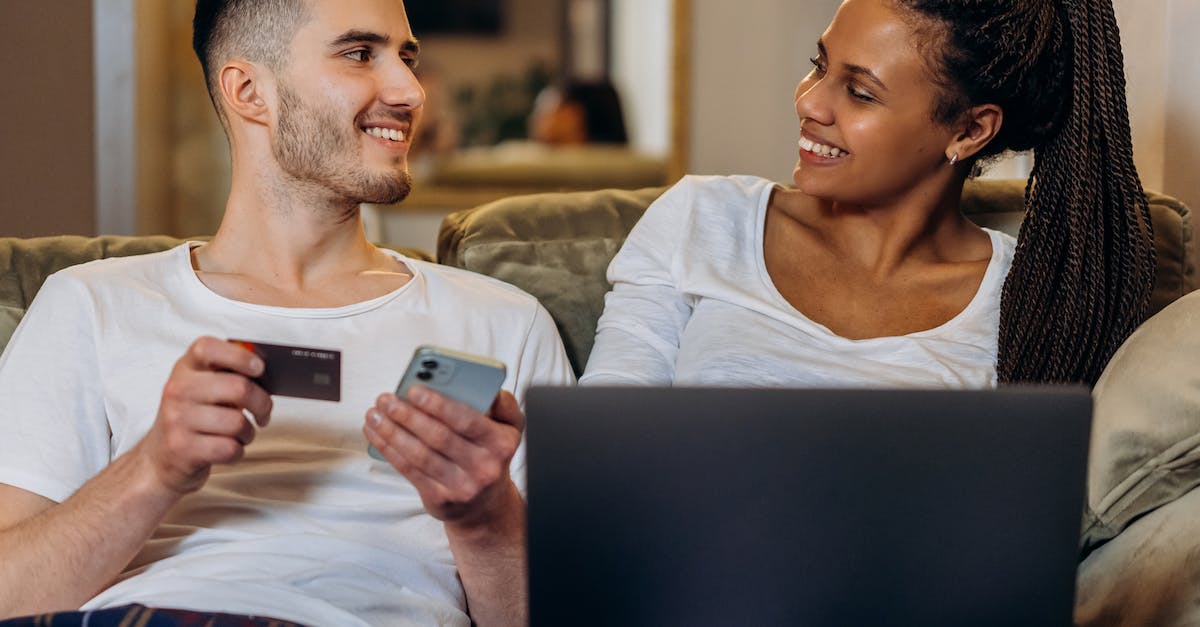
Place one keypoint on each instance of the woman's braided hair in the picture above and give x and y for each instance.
(1084, 265)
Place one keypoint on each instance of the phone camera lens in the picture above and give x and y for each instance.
(429, 364)
(424, 375)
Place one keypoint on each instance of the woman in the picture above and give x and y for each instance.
(866, 272)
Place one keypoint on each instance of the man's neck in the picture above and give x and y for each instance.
(288, 247)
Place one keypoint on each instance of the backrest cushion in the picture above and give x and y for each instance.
(999, 204)
(26, 262)
(557, 246)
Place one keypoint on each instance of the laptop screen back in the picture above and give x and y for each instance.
(690, 506)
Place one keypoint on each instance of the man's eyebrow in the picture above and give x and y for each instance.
(411, 45)
(359, 37)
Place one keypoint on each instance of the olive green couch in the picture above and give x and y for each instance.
(1146, 445)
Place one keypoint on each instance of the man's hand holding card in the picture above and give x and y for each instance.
(202, 417)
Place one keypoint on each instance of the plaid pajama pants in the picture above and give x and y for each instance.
(142, 616)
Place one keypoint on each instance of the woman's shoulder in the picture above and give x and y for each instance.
(1004, 246)
(698, 216)
(703, 199)
(726, 187)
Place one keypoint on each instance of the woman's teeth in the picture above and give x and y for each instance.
(386, 133)
(821, 149)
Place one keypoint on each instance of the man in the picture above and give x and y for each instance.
(130, 470)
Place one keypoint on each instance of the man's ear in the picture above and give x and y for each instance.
(243, 90)
(979, 126)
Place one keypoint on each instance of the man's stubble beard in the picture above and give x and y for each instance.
(310, 147)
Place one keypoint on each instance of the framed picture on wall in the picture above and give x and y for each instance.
(456, 17)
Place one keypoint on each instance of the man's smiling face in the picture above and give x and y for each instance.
(349, 102)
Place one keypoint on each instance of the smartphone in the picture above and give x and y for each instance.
(469, 379)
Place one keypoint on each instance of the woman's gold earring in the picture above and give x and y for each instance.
(954, 159)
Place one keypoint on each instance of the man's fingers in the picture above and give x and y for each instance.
(221, 388)
(225, 422)
(408, 453)
(460, 418)
(213, 449)
(210, 353)
(430, 431)
(427, 486)
(505, 409)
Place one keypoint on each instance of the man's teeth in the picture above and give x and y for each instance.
(821, 149)
(386, 133)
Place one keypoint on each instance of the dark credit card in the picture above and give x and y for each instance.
(298, 371)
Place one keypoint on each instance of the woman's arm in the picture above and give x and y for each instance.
(637, 336)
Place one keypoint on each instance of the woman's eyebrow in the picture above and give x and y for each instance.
(857, 70)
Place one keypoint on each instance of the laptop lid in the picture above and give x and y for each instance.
(692, 506)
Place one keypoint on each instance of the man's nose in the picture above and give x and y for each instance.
(399, 86)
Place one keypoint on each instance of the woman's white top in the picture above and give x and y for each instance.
(692, 304)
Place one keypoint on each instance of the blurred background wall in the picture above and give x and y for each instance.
(105, 125)
(47, 132)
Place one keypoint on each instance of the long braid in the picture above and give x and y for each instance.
(1084, 265)
(1084, 268)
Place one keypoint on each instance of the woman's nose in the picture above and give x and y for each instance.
(811, 100)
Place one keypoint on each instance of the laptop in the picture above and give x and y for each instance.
(704, 506)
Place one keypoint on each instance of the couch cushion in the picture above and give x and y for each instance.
(1146, 429)
(26, 262)
(554, 246)
(999, 204)
(9, 318)
(557, 246)
(1148, 575)
(1143, 511)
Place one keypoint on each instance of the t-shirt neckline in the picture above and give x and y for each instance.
(184, 264)
(981, 293)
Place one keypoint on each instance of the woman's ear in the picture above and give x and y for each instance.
(242, 92)
(980, 126)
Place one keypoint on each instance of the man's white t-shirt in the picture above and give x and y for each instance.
(692, 304)
(307, 527)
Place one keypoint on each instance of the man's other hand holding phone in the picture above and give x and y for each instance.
(457, 458)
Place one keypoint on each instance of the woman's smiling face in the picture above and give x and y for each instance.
(867, 134)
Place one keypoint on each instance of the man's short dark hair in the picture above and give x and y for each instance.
(258, 31)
